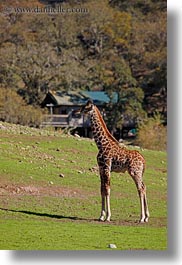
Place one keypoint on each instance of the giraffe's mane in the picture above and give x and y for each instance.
(105, 127)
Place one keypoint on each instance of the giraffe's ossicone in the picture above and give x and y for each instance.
(113, 157)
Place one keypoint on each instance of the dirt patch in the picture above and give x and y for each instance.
(54, 191)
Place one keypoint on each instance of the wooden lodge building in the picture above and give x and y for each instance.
(61, 104)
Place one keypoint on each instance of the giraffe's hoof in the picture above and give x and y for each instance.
(142, 221)
(146, 220)
(102, 219)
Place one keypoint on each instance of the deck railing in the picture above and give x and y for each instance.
(64, 120)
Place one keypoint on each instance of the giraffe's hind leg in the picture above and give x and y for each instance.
(147, 215)
(144, 212)
(143, 202)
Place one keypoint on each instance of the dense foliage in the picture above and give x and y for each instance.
(152, 134)
(112, 45)
(14, 109)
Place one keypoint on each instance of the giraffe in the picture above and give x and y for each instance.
(112, 157)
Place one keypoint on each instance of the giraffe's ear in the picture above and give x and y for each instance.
(89, 102)
(88, 107)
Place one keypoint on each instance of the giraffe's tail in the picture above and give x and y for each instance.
(144, 167)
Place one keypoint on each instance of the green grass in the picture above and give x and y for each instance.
(46, 235)
(41, 210)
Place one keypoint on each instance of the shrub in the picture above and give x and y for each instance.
(152, 134)
(13, 109)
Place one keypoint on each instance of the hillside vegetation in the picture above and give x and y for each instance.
(112, 46)
(50, 195)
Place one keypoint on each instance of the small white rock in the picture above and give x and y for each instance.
(112, 246)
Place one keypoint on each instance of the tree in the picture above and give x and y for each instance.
(129, 106)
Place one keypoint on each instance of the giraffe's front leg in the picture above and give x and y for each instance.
(105, 215)
(108, 205)
(103, 211)
(104, 170)
(105, 195)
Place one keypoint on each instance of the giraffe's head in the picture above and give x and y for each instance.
(86, 109)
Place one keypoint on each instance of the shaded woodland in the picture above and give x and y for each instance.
(115, 46)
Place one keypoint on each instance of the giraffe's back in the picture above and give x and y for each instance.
(127, 160)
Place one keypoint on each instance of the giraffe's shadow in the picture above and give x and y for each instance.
(72, 218)
(54, 216)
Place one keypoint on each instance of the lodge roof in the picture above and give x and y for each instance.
(71, 98)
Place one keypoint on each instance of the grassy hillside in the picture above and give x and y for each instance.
(50, 196)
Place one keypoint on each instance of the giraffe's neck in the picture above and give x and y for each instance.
(101, 134)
